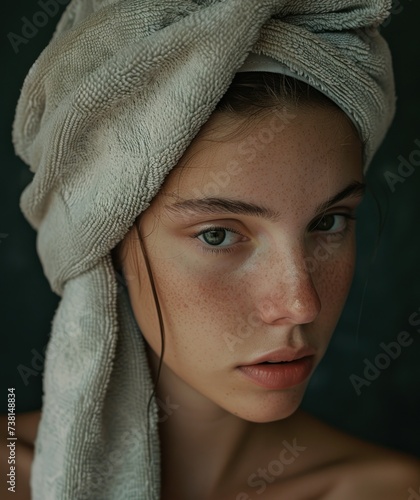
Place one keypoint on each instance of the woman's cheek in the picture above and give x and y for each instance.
(200, 310)
(333, 284)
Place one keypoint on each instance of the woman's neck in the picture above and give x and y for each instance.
(199, 440)
(206, 451)
(198, 453)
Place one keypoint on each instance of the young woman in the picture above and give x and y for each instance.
(248, 308)
(212, 190)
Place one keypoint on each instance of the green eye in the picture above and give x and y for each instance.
(214, 236)
(222, 239)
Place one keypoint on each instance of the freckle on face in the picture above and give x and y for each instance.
(206, 298)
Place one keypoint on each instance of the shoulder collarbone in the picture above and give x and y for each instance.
(384, 478)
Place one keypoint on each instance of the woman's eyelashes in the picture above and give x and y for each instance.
(332, 223)
(214, 236)
(222, 239)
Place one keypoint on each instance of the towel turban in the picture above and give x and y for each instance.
(105, 112)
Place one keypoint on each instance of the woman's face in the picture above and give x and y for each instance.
(252, 248)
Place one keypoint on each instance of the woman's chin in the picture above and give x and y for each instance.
(272, 407)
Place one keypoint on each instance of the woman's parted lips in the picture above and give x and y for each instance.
(283, 355)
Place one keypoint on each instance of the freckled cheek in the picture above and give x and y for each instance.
(198, 308)
(333, 284)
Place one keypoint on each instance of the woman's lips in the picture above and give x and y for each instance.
(281, 375)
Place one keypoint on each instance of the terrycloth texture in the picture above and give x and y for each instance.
(105, 113)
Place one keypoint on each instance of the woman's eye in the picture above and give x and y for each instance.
(332, 223)
(220, 237)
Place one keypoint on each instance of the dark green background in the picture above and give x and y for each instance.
(385, 291)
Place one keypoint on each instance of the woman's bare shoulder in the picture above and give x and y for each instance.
(355, 468)
(26, 426)
(387, 475)
(320, 462)
(25, 429)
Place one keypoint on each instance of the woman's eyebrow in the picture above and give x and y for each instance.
(355, 189)
(217, 206)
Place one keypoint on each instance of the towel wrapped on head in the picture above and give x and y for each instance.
(105, 113)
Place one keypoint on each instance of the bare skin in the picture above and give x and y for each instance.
(323, 464)
(333, 466)
(26, 429)
(224, 429)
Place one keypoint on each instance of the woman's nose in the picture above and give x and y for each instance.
(288, 294)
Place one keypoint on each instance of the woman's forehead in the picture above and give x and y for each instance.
(275, 152)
